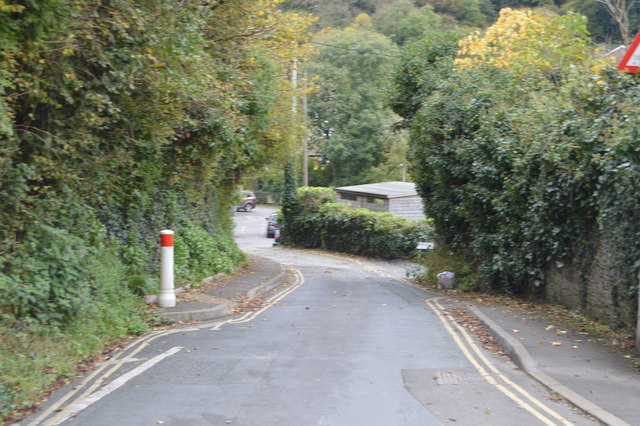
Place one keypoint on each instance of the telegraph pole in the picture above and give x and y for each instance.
(305, 139)
(294, 112)
(294, 86)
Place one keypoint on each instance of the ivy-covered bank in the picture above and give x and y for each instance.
(525, 146)
(119, 119)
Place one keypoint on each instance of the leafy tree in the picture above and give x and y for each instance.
(473, 13)
(523, 41)
(349, 117)
(402, 22)
(334, 13)
(620, 11)
(601, 26)
(289, 201)
(424, 66)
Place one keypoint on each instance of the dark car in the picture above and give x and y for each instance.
(248, 203)
(272, 225)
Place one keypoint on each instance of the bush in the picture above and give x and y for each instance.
(526, 165)
(33, 357)
(441, 259)
(198, 254)
(320, 223)
(47, 280)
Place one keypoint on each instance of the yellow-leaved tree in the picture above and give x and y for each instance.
(525, 41)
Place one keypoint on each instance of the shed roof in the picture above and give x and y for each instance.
(382, 189)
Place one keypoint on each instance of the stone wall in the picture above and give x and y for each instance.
(596, 288)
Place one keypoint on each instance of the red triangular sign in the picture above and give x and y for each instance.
(631, 60)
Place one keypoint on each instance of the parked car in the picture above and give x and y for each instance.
(272, 225)
(248, 203)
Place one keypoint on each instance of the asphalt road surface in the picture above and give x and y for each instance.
(348, 342)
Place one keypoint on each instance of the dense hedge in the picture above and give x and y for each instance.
(119, 119)
(523, 170)
(319, 222)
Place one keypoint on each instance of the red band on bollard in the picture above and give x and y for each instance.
(166, 240)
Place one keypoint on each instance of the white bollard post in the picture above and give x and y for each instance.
(167, 297)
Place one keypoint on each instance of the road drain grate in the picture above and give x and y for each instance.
(454, 378)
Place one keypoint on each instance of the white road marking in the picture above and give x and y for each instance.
(96, 396)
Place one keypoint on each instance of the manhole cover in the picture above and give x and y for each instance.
(454, 378)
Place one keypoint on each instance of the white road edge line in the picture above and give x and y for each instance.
(96, 396)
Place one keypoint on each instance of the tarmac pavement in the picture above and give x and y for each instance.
(593, 376)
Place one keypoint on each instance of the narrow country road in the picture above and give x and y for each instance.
(347, 343)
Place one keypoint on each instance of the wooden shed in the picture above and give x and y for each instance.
(399, 198)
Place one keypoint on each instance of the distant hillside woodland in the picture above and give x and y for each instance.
(120, 118)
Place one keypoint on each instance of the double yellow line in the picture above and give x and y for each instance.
(100, 375)
(489, 371)
(298, 280)
(471, 351)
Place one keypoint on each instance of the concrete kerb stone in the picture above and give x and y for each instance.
(214, 312)
(521, 356)
(261, 289)
(225, 308)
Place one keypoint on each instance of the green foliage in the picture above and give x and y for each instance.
(440, 259)
(321, 223)
(348, 112)
(402, 22)
(424, 65)
(45, 281)
(123, 119)
(520, 173)
(311, 198)
(199, 255)
(289, 201)
(33, 357)
(472, 13)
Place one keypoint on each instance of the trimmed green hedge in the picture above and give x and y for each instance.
(319, 222)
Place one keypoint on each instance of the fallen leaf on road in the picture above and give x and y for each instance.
(559, 332)
(550, 327)
(516, 331)
(557, 343)
(541, 342)
(471, 323)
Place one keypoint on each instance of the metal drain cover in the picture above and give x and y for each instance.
(454, 378)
